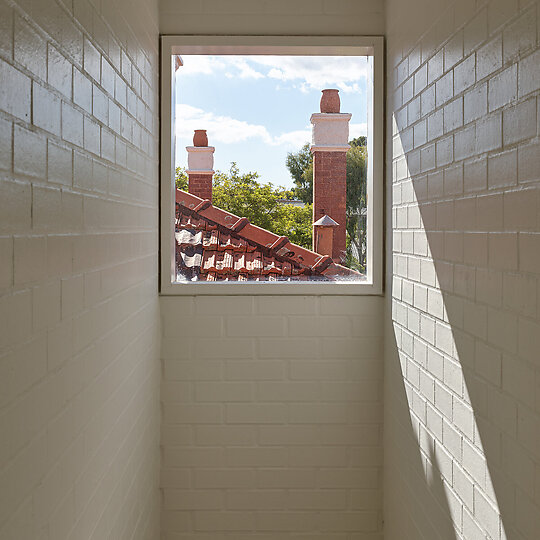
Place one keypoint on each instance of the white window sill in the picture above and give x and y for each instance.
(266, 289)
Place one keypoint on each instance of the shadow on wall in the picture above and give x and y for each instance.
(460, 332)
(420, 499)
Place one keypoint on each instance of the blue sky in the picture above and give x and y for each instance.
(257, 108)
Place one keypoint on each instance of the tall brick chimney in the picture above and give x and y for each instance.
(330, 142)
(200, 166)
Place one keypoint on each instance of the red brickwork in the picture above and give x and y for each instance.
(329, 193)
(200, 185)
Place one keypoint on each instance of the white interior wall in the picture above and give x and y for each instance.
(462, 416)
(272, 406)
(78, 217)
(272, 417)
(79, 320)
(275, 17)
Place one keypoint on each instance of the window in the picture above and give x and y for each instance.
(202, 213)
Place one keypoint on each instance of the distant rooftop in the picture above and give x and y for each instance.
(292, 202)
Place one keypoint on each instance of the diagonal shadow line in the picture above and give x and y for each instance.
(490, 428)
(411, 465)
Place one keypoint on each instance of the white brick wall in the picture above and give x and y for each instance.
(462, 413)
(79, 334)
(278, 17)
(272, 417)
(272, 406)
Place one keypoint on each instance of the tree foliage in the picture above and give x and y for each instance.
(300, 165)
(181, 179)
(243, 195)
(355, 256)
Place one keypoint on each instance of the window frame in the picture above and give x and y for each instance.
(273, 45)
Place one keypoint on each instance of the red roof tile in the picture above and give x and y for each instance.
(215, 245)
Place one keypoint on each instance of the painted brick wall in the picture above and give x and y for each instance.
(79, 330)
(462, 372)
(275, 17)
(272, 406)
(272, 417)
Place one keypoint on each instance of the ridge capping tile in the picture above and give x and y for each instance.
(240, 224)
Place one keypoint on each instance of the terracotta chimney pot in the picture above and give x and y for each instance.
(330, 102)
(200, 138)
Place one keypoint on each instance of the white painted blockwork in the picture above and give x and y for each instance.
(272, 417)
(466, 370)
(461, 372)
(79, 320)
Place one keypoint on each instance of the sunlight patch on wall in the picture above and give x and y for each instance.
(432, 357)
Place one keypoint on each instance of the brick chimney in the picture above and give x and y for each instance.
(329, 147)
(200, 166)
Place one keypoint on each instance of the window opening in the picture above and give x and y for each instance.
(291, 255)
(271, 168)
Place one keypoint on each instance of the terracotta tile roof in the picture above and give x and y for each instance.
(215, 245)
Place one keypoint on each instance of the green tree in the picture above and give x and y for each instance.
(359, 141)
(181, 179)
(243, 195)
(356, 207)
(299, 165)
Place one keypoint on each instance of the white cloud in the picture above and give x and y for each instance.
(232, 66)
(220, 129)
(227, 130)
(294, 138)
(355, 130)
(199, 64)
(243, 69)
(316, 72)
(306, 72)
